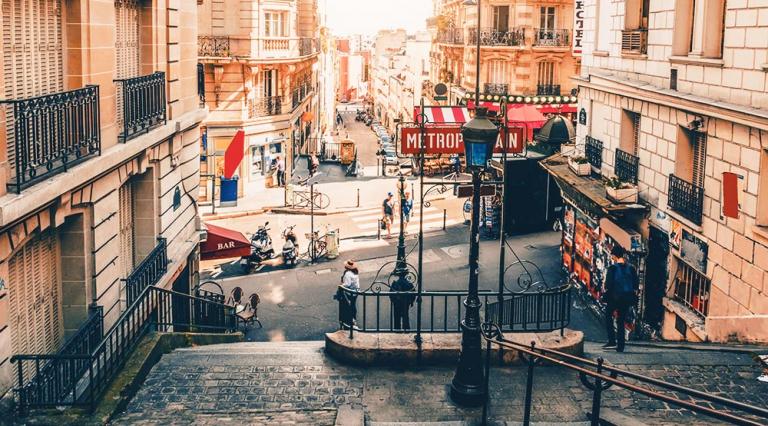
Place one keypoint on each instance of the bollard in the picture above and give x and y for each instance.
(358, 197)
(445, 216)
(378, 229)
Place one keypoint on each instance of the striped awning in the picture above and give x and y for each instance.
(442, 114)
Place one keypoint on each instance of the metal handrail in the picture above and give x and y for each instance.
(148, 272)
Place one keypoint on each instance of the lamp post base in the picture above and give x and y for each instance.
(467, 385)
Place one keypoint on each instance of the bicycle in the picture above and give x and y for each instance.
(305, 199)
(319, 243)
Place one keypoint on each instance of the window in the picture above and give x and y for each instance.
(692, 288)
(275, 24)
(547, 18)
(630, 132)
(127, 45)
(691, 156)
(699, 28)
(501, 18)
(603, 25)
(126, 228)
(270, 83)
(636, 14)
(546, 74)
(762, 190)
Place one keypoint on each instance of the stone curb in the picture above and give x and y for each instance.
(739, 349)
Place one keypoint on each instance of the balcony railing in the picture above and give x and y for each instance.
(213, 46)
(307, 46)
(52, 133)
(692, 289)
(496, 37)
(143, 104)
(686, 199)
(634, 41)
(548, 90)
(451, 36)
(496, 89)
(266, 106)
(626, 166)
(201, 83)
(300, 92)
(148, 273)
(552, 38)
(594, 152)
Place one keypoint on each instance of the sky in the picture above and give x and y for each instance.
(347, 17)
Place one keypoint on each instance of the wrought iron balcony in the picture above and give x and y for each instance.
(143, 102)
(496, 37)
(496, 89)
(548, 90)
(686, 198)
(634, 41)
(266, 106)
(307, 46)
(51, 133)
(451, 36)
(300, 92)
(626, 166)
(213, 46)
(594, 152)
(551, 38)
(148, 273)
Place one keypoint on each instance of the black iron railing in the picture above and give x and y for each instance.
(52, 133)
(266, 106)
(686, 199)
(330, 151)
(594, 152)
(551, 38)
(307, 46)
(497, 37)
(496, 89)
(535, 311)
(81, 379)
(201, 83)
(300, 91)
(213, 46)
(548, 89)
(451, 36)
(148, 273)
(144, 104)
(626, 166)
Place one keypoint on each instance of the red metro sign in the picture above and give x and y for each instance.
(448, 140)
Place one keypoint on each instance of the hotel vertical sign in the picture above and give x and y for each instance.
(578, 27)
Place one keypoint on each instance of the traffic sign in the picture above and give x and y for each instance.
(465, 191)
(441, 98)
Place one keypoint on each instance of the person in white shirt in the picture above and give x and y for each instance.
(350, 280)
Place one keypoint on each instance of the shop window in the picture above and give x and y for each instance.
(762, 198)
(699, 28)
(692, 288)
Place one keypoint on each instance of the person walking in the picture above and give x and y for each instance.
(314, 164)
(280, 172)
(407, 208)
(402, 299)
(388, 214)
(620, 295)
(350, 281)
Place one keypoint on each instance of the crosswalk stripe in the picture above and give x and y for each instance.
(373, 225)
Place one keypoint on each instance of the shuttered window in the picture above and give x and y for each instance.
(33, 63)
(699, 141)
(498, 71)
(36, 326)
(126, 236)
(546, 73)
(127, 46)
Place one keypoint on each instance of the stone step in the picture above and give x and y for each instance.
(256, 348)
(472, 423)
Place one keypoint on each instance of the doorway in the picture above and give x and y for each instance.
(656, 276)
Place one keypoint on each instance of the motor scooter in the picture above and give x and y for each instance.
(261, 249)
(291, 247)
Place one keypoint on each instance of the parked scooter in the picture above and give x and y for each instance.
(261, 249)
(291, 247)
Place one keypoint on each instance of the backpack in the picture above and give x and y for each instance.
(624, 278)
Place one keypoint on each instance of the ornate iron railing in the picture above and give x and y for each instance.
(148, 273)
(686, 199)
(496, 89)
(307, 46)
(626, 166)
(552, 38)
(144, 105)
(300, 91)
(548, 89)
(634, 41)
(451, 36)
(537, 311)
(213, 46)
(496, 37)
(594, 152)
(266, 106)
(52, 133)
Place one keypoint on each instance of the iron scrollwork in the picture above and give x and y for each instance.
(385, 284)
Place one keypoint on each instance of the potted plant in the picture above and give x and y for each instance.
(620, 192)
(580, 165)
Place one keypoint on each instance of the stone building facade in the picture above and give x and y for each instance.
(99, 167)
(678, 91)
(258, 74)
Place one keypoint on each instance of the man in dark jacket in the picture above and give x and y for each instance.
(401, 303)
(620, 292)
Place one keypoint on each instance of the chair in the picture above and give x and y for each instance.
(235, 297)
(249, 315)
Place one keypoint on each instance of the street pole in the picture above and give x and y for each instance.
(502, 237)
(312, 222)
(420, 278)
(213, 185)
(401, 270)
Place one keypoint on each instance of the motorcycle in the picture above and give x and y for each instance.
(291, 247)
(261, 249)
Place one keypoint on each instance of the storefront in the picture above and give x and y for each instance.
(263, 153)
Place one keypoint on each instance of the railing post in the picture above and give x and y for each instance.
(22, 393)
(595, 421)
(487, 380)
(91, 386)
(529, 387)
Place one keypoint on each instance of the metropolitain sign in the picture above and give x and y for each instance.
(448, 140)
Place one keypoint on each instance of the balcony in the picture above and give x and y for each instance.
(496, 89)
(148, 273)
(543, 37)
(143, 104)
(451, 36)
(51, 133)
(686, 199)
(548, 90)
(213, 46)
(626, 166)
(496, 37)
(594, 152)
(265, 107)
(300, 92)
(307, 46)
(692, 289)
(634, 41)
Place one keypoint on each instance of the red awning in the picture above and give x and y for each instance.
(223, 243)
(557, 108)
(525, 114)
(443, 114)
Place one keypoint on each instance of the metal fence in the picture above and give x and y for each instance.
(594, 152)
(144, 104)
(148, 273)
(686, 198)
(626, 166)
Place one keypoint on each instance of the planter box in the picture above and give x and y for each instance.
(623, 195)
(580, 169)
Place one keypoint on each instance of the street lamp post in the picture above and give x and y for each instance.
(401, 269)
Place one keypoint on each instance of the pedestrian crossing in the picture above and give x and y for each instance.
(368, 219)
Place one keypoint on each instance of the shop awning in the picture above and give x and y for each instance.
(443, 114)
(223, 243)
(543, 108)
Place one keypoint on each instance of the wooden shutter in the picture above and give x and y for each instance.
(127, 46)
(126, 233)
(33, 63)
(699, 141)
(36, 326)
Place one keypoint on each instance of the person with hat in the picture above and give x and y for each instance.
(350, 284)
(387, 208)
(620, 294)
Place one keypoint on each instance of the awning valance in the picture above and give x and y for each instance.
(223, 243)
(442, 114)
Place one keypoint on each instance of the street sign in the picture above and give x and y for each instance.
(441, 89)
(465, 191)
(447, 139)
(441, 98)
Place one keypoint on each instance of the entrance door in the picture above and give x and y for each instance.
(181, 305)
(656, 275)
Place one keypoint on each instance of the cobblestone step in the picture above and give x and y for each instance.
(469, 423)
(257, 348)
